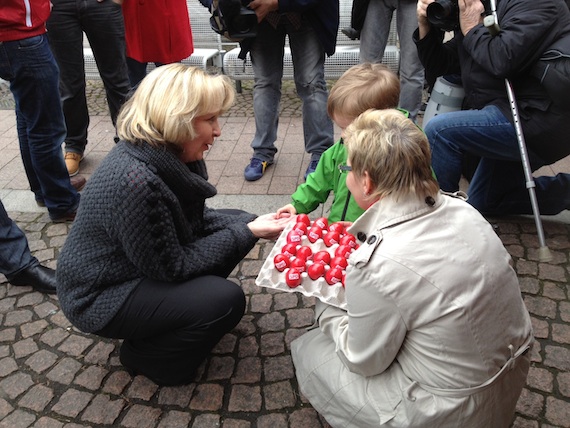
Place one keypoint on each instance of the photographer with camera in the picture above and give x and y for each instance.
(516, 37)
(311, 26)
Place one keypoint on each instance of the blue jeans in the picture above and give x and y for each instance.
(15, 254)
(32, 72)
(308, 60)
(104, 27)
(373, 39)
(498, 186)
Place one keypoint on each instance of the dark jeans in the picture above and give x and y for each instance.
(498, 186)
(103, 25)
(15, 254)
(30, 68)
(170, 328)
(137, 70)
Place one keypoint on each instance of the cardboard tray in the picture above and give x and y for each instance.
(272, 278)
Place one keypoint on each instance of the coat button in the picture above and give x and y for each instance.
(361, 236)
(371, 240)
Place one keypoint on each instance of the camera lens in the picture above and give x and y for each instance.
(443, 14)
(439, 10)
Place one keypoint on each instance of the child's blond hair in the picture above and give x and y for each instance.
(362, 87)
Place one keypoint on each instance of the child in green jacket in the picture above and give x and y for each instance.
(361, 87)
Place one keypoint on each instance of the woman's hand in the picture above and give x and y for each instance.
(286, 211)
(268, 226)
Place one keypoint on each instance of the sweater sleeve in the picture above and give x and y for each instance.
(147, 225)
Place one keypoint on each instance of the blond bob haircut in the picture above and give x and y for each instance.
(162, 110)
(393, 151)
(362, 87)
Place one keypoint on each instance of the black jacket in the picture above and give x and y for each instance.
(528, 28)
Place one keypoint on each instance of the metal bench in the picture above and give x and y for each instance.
(347, 54)
(208, 49)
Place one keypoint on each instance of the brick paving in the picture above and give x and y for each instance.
(54, 376)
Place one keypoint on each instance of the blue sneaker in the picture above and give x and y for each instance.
(254, 171)
(312, 166)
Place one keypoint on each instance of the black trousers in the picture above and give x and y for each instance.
(170, 328)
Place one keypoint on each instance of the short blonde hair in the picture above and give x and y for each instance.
(362, 87)
(162, 109)
(393, 151)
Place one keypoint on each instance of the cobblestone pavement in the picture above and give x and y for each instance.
(290, 105)
(54, 376)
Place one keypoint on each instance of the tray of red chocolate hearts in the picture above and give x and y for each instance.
(310, 257)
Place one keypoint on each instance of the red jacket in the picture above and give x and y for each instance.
(20, 19)
(157, 30)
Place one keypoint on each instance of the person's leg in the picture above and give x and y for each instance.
(342, 397)
(40, 124)
(170, 328)
(308, 61)
(15, 253)
(411, 69)
(376, 29)
(66, 42)
(137, 71)
(267, 61)
(484, 133)
(104, 27)
(498, 186)
(22, 129)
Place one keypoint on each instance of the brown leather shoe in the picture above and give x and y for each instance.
(72, 162)
(78, 182)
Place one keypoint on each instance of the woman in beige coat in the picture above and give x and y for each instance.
(436, 333)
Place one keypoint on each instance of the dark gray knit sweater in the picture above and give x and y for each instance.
(142, 215)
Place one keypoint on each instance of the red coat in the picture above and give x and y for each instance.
(21, 19)
(157, 30)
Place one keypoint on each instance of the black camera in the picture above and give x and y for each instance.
(444, 14)
(233, 19)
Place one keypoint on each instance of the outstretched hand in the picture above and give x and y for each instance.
(286, 211)
(268, 226)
